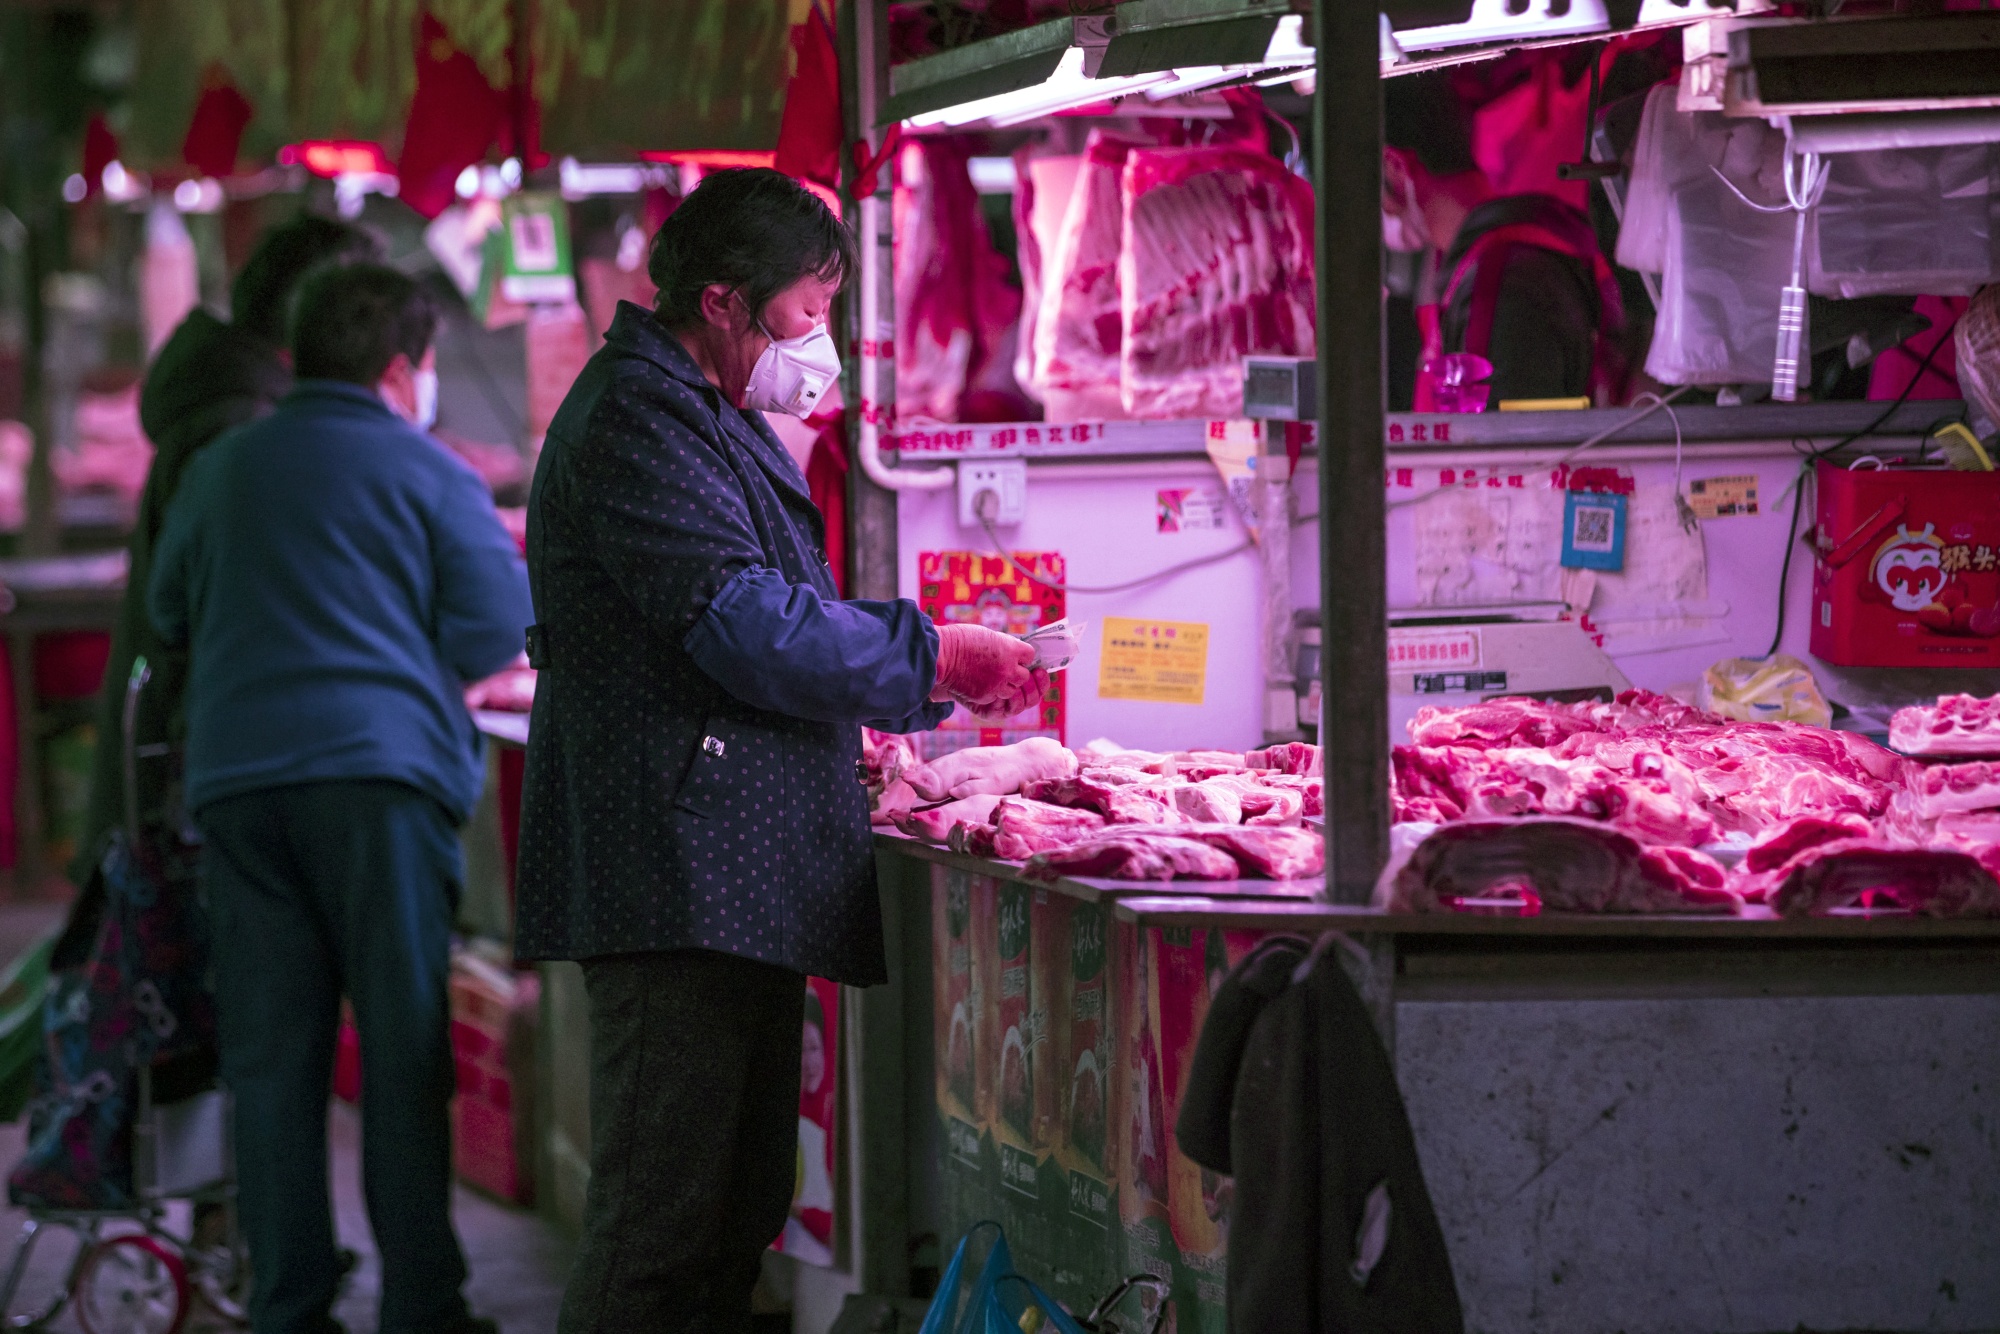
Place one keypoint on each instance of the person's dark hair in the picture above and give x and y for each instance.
(815, 1012)
(752, 229)
(351, 322)
(1424, 114)
(259, 298)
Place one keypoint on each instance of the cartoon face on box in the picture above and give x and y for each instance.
(1923, 574)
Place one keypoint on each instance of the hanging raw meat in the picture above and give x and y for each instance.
(1078, 328)
(1216, 266)
(954, 305)
(1041, 197)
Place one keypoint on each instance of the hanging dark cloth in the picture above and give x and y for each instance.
(1332, 1230)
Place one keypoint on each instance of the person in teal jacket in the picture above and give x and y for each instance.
(692, 826)
(337, 579)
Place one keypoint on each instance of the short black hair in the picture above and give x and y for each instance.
(262, 292)
(752, 229)
(1423, 114)
(351, 322)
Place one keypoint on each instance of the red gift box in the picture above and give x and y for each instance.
(1908, 568)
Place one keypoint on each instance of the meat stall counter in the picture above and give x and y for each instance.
(1647, 1106)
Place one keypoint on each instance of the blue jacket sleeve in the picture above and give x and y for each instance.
(781, 646)
(483, 611)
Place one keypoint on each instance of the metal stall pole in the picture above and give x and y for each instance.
(1347, 177)
(872, 1243)
(871, 508)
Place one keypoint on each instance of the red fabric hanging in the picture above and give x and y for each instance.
(215, 134)
(1895, 368)
(455, 117)
(809, 136)
(100, 150)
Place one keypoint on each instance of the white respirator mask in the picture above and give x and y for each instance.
(793, 374)
(426, 384)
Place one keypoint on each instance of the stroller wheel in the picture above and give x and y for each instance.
(131, 1284)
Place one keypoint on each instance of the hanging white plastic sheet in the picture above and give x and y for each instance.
(1707, 210)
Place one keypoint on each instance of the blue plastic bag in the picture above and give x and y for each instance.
(998, 1298)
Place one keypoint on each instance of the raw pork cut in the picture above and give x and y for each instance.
(1782, 844)
(1020, 828)
(1936, 882)
(1940, 788)
(1312, 791)
(884, 757)
(1216, 265)
(1209, 803)
(1124, 854)
(511, 690)
(1654, 805)
(1121, 796)
(1564, 864)
(1499, 722)
(1957, 725)
(933, 823)
(1267, 852)
(996, 770)
(1297, 758)
(1078, 329)
(892, 801)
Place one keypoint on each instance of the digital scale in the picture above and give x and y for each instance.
(1454, 656)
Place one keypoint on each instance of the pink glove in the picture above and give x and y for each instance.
(1031, 692)
(980, 667)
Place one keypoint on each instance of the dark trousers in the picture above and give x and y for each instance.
(694, 1126)
(316, 890)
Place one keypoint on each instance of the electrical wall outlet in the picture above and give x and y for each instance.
(1005, 479)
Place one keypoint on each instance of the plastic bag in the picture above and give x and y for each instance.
(1907, 221)
(1977, 336)
(1763, 690)
(1723, 263)
(998, 1297)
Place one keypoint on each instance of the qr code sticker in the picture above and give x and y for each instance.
(1592, 531)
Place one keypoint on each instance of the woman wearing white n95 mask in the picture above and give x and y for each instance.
(692, 829)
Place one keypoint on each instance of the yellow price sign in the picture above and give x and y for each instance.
(1162, 661)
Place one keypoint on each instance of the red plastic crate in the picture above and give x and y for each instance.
(485, 1149)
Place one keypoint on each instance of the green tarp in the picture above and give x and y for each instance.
(611, 76)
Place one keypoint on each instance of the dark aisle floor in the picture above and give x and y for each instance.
(518, 1261)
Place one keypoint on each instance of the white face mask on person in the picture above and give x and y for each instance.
(793, 374)
(426, 384)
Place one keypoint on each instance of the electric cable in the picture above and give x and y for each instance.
(980, 507)
(1811, 456)
(1657, 405)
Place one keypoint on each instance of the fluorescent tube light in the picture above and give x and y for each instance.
(1492, 21)
(1064, 90)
